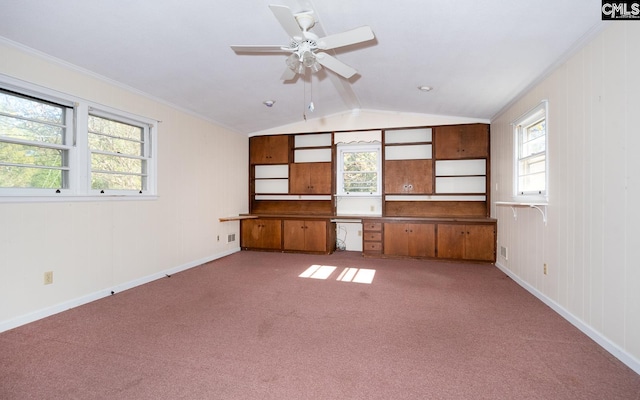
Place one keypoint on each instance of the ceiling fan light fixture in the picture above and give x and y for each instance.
(425, 88)
(269, 103)
(293, 61)
(308, 59)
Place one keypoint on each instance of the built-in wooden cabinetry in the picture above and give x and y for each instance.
(289, 234)
(435, 200)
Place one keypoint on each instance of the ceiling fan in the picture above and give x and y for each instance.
(306, 48)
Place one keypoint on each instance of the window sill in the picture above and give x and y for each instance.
(73, 199)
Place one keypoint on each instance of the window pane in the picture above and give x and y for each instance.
(114, 145)
(30, 109)
(534, 183)
(32, 155)
(24, 177)
(362, 182)
(114, 128)
(361, 161)
(101, 162)
(117, 181)
(32, 131)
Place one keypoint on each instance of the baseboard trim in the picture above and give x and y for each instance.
(58, 308)
(596, 336)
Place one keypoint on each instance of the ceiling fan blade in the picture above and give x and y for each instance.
(258, 49)
(288, 75)
(347, 38)
(335, 65)
(287, 20)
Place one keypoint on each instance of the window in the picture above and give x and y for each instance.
(119, 154)
(34, 142)
(358, 170)
(531, 152)
(54, 145)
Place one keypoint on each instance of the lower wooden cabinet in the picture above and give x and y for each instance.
(409, 239)
(288, 234)
(261, 233)
(469, 240)
(308, 236)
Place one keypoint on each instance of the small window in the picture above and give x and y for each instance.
(119, 154)
(359, 170)
(530, 133)
(34, 142)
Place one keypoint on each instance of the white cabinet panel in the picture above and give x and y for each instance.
(272, 171)
(461, 184)
(312, 155)
(407, 135)
(272, 186)
(461, 167)
(412, 152)
(316, 140)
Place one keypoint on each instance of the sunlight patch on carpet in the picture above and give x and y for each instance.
(356, 275)
(318, 272)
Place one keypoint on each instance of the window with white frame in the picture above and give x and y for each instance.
(119, 154)
(530, 140)
(359, 170)
(54, 145)
(34, 142)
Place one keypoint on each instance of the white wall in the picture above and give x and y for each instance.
(95, 247)
(591, 241)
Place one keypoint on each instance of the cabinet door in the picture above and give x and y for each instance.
(294, 235)
(305, 235)
(408, 176)
(451, 240)
(269, 149)
(315, 235)
(261, 233)
(310, 178)
(462, 141)
(396, 239)
(480, 242)
(421, 240)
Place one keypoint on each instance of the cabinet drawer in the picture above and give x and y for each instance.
(373, 236)
(372, 246)
(372, 226)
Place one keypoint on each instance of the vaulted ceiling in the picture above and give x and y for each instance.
(476, 55)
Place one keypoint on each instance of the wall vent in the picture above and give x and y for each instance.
(231, 238)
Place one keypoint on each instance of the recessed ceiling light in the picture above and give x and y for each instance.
(425, 88)
(269, 103)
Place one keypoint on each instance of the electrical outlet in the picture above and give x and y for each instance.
(545, 268)
(218, 238)
(48, 277)
(372, 208)
(359, 233)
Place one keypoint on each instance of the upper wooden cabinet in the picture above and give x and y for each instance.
(310, 178)
(462, 141)
(408, 176)
(269, 149)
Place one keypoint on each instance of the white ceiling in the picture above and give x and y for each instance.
(477, 55)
